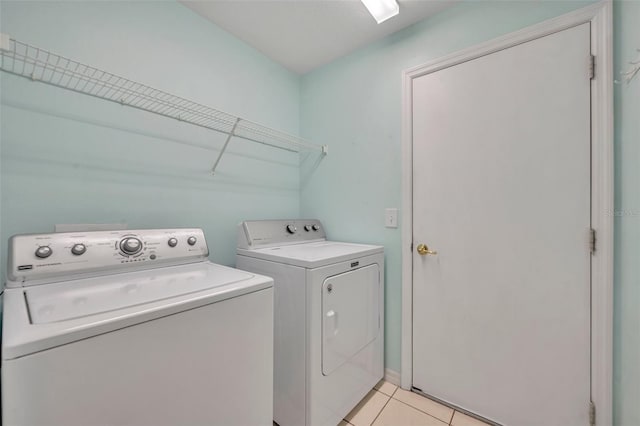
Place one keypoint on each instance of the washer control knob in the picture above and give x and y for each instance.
(78, 249)
(172, 242)
(291, 229)
(43, 252)
(130, 245)
(307, 228)
(316, 227)
(192, 241)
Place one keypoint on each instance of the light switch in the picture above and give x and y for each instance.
(391, 218)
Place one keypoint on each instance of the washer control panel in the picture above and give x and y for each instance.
(47, 257)
(268, 233)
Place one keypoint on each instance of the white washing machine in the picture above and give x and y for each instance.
(329, 317)
(133, 328)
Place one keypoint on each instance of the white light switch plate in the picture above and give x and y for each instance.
(391, 218)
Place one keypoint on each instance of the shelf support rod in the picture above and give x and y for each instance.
(224, 147)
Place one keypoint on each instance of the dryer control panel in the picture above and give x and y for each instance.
(253, 234)
(41, 258)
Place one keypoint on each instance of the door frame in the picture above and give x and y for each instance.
(602, 180)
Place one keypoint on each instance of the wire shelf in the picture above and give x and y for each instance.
(41, 65)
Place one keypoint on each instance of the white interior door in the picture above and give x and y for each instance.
(501, 190)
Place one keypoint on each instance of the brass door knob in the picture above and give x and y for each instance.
(424, 250)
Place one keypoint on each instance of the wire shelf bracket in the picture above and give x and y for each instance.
(43, 66)
(224, 147)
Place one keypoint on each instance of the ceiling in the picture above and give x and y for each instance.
(305, 34)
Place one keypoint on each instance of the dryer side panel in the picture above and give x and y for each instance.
(290, 337)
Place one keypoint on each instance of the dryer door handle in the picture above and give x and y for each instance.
(332, 318)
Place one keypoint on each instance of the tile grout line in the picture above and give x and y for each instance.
(377, 390)
(453, 411)
(394, 392)
(423, 412)
(383, 407)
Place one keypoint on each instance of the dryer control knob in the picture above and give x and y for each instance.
(291, 229)
(316, 227)
(191, 241)
(307, 228)
(172, 242)
(78, 249)
(43, 252)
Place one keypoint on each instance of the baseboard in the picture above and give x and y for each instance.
(392, 376)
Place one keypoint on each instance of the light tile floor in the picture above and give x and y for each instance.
(388, 405)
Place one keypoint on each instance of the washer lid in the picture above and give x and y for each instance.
(50, 315)
(313, 255)
(81, 298)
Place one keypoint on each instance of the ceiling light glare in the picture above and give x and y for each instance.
(381, 10)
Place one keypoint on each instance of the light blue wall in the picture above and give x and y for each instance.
(355, 105)
(627, 255)
(70, 158)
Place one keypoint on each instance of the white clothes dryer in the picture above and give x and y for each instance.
(329, 317)
(133, 328)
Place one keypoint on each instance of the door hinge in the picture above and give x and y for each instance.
(592, 67)
(592, 240)
(592, 413)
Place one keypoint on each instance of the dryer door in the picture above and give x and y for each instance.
(351, 315)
